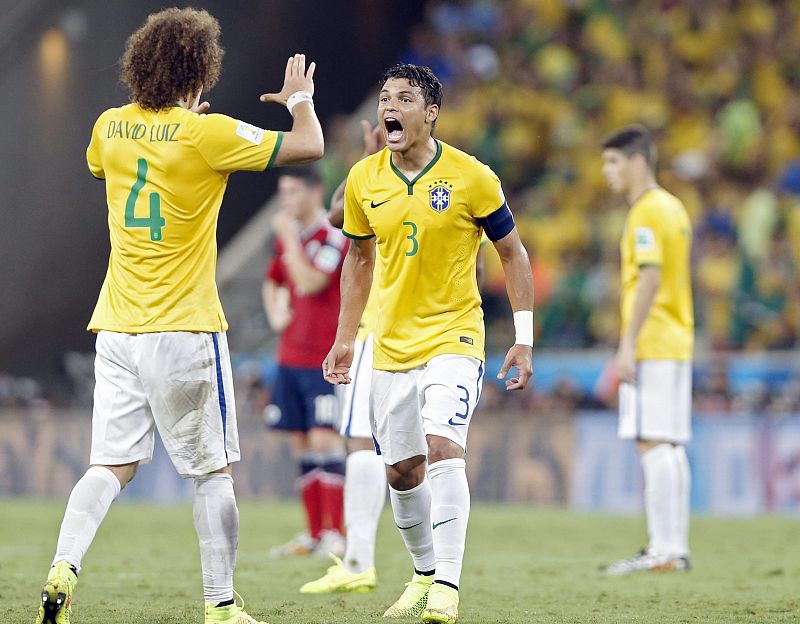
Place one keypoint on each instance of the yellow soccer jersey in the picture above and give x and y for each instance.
(165, 174)
(370, 316)
(658, 232)
(427, 237)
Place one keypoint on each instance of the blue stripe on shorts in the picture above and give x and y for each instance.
(221, 387)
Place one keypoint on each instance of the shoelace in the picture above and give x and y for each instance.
(239, 596)
(416, 582)
(337, 562)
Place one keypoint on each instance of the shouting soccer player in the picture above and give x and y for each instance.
(420, 206)
(162, 357)
(654, 359)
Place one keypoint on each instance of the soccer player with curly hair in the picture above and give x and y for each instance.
(162, 356)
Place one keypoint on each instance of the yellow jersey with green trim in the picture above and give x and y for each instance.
(370, 316)
(658, 232)
(165, 175)
(427, 238)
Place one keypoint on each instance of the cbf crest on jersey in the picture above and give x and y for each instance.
(439, 195)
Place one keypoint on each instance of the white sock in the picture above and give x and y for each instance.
(87, 506)
(364, 498)
(680, 541)
(216, 520)
(449, 514)
(412, 515)
(660, 496)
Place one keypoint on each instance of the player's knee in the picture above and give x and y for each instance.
(124, 473)
(323, 440)
(226, 470)
(440, 448)
(406, 474)
(646, 445)
(359, 444)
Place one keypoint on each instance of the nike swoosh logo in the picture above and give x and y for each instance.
(438, 524)
(374, 205)
(456, 424)
(409, 527)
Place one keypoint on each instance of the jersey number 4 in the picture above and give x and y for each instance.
(155, 221)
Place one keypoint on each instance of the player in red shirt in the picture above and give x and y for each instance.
(301, 300)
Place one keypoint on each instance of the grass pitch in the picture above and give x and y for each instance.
(522, 565)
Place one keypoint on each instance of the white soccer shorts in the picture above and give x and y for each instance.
(659, 405)
(179, 382)
(355, 406)
(437, 398)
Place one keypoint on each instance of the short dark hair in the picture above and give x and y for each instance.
(175, 53)
(309, 175)
(632, 140)
(418, 76)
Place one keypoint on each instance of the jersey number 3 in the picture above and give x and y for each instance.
(155, 221)
(412, 237)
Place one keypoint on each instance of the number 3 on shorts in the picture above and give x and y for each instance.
(462, 417)
(155, 221)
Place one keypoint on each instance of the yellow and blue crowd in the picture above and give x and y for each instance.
(533, 86)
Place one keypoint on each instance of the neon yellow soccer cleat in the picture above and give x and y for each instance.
(442, 607)
(57, 594)
(339, 579)
(229, 614)
(413, 600)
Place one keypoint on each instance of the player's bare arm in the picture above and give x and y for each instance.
(373, 141)
(519, 285)
(275, 299)
(646, 288)
(303, 273)
(304, 142)
(355, 286)
(336, 213)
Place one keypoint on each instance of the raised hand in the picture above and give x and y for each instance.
(295, 79)
(373, 138)
(200, 108)
(520, 357)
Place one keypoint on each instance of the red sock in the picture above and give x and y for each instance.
(311, 493)
(333, 501)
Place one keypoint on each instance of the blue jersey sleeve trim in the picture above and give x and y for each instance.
(498, 224)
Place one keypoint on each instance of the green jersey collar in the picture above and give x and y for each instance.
(410, 185)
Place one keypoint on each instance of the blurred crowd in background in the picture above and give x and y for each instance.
(533, 86)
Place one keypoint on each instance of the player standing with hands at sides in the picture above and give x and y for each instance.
(420, 206)
(654, 359)
(162, 357)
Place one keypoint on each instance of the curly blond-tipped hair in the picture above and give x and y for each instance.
(174, 54)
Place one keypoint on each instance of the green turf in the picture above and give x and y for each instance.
(522, 565)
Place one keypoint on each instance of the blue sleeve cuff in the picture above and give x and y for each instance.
(498, 224)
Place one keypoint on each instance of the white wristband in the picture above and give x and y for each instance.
(523, 327)
(297, 97)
